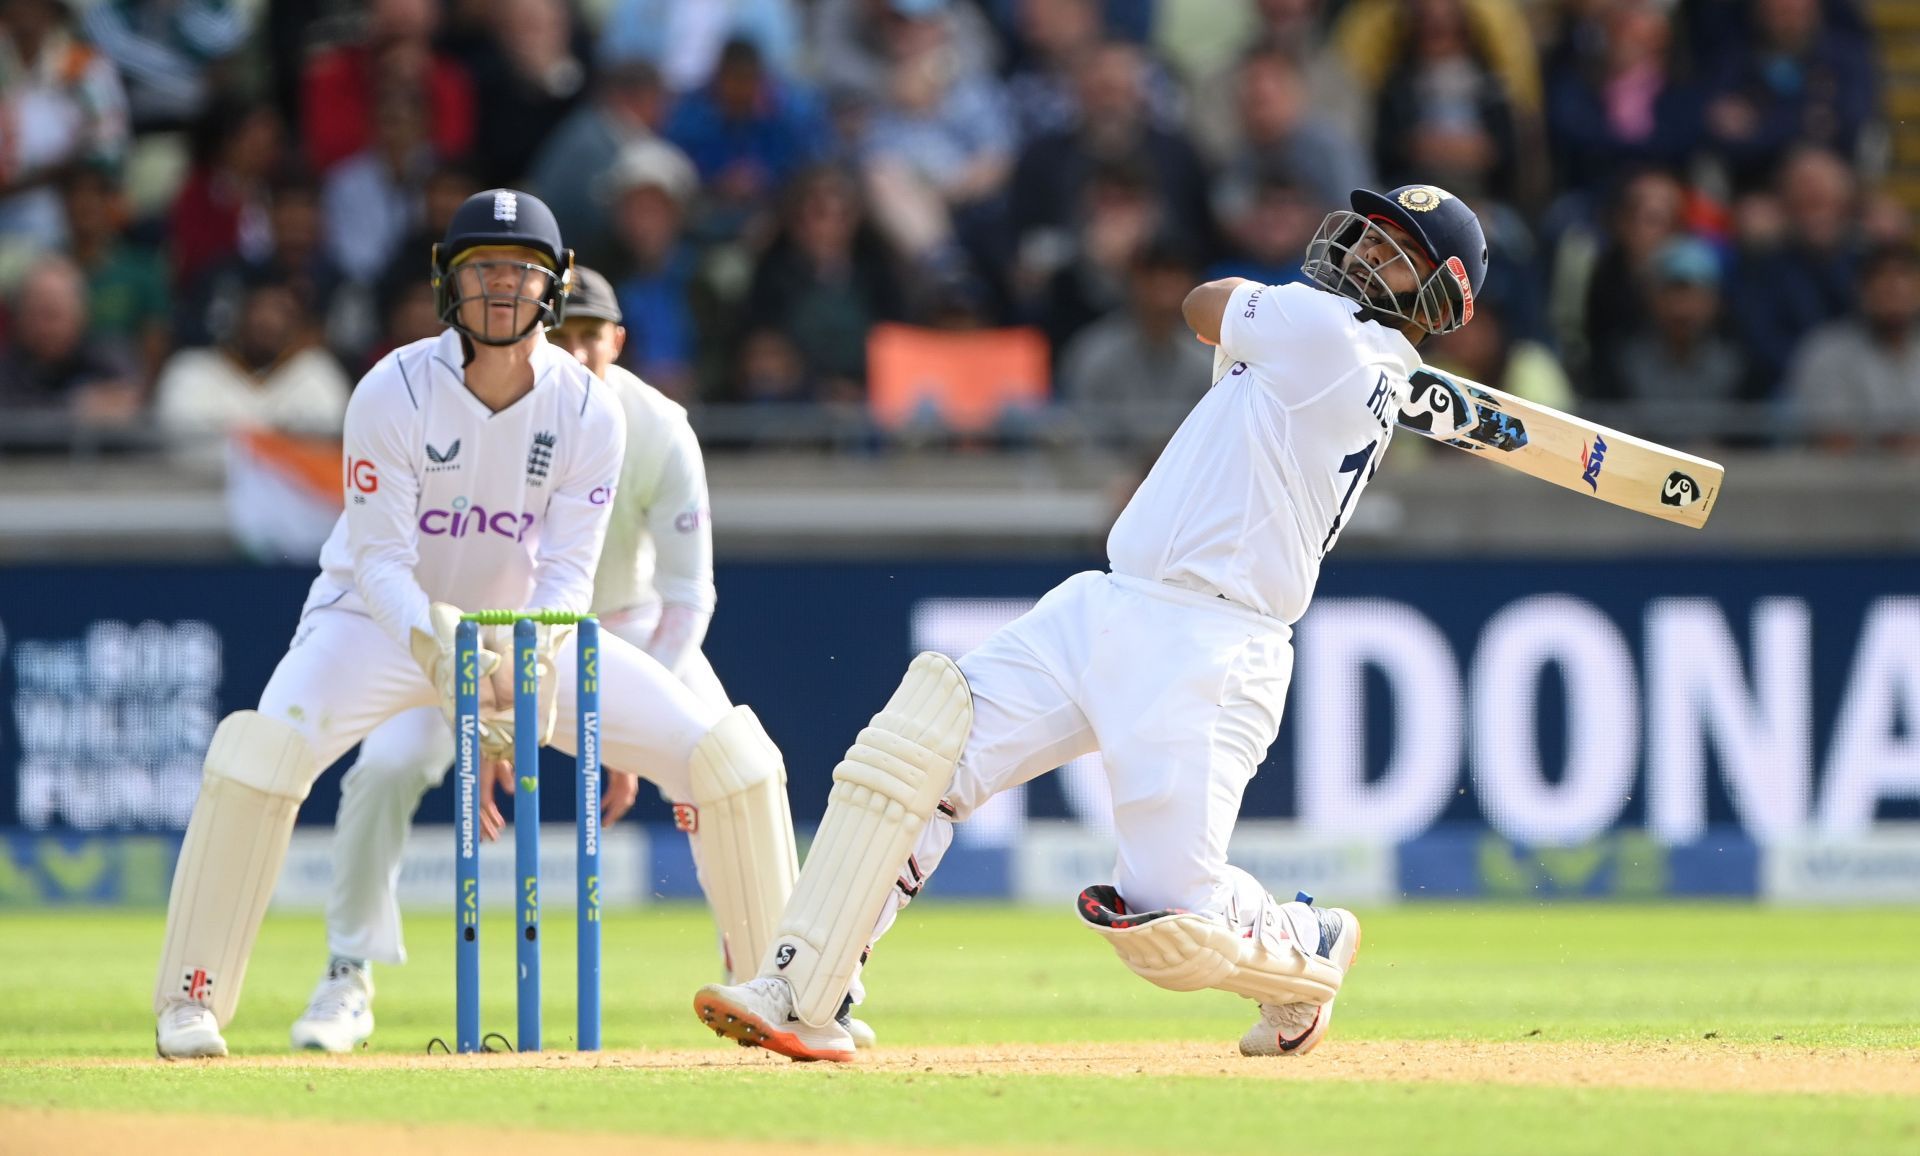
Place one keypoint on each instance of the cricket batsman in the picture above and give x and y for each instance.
(481, 468)
(1174, 664)
(653, 588)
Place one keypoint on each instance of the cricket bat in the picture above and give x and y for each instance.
(1563, 449)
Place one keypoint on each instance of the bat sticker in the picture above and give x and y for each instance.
(1679, 490)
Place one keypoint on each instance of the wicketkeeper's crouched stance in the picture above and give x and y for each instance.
(1174, 665)
(480, 469)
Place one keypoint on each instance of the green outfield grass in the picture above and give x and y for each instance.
(977, 975)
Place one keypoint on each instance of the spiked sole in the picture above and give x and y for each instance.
(733, 1022)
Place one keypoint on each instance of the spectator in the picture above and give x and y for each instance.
(408, 313)
(852, 41)
(528, 78)
(1279, 129)
(1646, 215)
(1050, 181)
(1681, 360)
(629, 104)
(1443, 112)
(296, 253)
(1118, 213)
(1796, 82)
(1268, 227)
(1489, 352)
(171, 53)
(126, 282)
(338, 88)
(1796, 269)
(1294, 28)
(268, 374)
(50, 367)
(445, 189)
(773, 372)
(1857, 381)
(1374, 37)
(1138, 369)
(1885, 219)
(1041, 93)
(222, 211)
(60, 104)
(825, 281)
(373, 199)
(682, 39)
(937, 152)
(746, 134)
(647, 190)
(1621, 106)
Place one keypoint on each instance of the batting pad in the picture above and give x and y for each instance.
(883, 792)
(746, 834)
(258, 771)
(1185, 951)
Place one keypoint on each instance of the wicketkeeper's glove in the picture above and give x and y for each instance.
(497, 730)
(435, 653)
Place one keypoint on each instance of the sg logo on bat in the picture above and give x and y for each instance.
(1679, 490)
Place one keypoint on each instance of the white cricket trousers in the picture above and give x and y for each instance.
(409, 755)
(1180, 692)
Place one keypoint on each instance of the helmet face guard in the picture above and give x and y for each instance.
(1439, 303)
(451, 278)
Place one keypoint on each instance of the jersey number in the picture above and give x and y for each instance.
(1360, 464)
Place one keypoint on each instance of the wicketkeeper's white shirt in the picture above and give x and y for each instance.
(1259, 479)
(447, 501)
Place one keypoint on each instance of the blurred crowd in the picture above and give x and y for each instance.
(217, 214)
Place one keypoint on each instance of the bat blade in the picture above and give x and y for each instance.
(1568, 451)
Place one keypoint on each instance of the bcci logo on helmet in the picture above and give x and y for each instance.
(1422, 198)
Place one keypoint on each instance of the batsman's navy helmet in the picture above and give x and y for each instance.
(493, 219)
(1448, 234)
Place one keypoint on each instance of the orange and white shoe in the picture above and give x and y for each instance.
(1293, 1029)
(759, 1014)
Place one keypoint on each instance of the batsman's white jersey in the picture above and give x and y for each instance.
(1257, 482)
(1175, 665)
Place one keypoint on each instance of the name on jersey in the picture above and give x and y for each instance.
(466, 519)
(1381, 399)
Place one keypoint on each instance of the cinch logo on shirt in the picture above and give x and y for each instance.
(458, 523)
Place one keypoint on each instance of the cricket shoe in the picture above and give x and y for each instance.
(1294, 1029)
(759, 1014)
(859, 1030)
(339, 1017)
(188, 1031)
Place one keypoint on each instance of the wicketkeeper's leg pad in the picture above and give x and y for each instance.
(258, 771)
(883, 793)
(745, 829)
(1188, 951)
